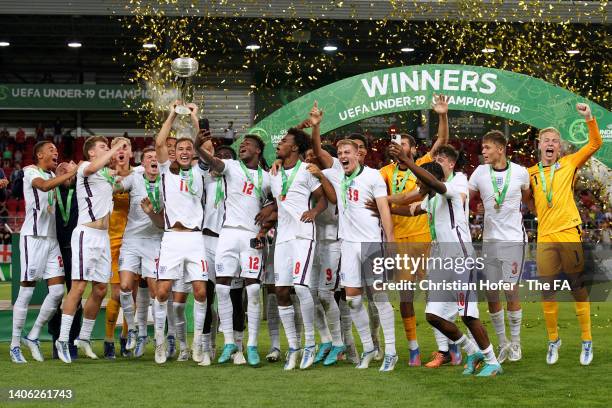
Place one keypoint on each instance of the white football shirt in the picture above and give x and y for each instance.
(242, 203)
(327, 221)
(139, 225)
(39, 216)
(295, 203)
(94, 195)
(182, 203)
(450, 211)
(355, 221)
(505, 223)
(213, 212)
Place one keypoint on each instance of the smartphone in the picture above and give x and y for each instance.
(204, 124)
(255, 243)
(397, 138)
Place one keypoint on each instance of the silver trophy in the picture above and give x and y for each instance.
(183, 68)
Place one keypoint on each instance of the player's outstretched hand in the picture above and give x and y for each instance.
(147, 206)
(397, 152)
(4, 183)
(193, 108)
(309, 215)
(316, 115)
(275, 167)
(584, 110)
(263, 214)
(440, 104)
(315, 171)
(371, 205)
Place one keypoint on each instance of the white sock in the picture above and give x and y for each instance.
(515, 318)
(273, 321)
(87, 328)
(20, 312)
(307, 311)
(374, 323)
(346, 322)
(253, 312)
(467, 344)
(142, 310)
(206, 342)
(387, 321)
(299, 322)
(65, 327)
(199, 315)
(160, 311)
(441, 340)
(171, 316)
(320, 320)
(359, 316)
(238, 335)
(226, 311)
(127, 304)
(180, 323)
(489, 355)
(413, 344)
(332, 314)
(287, 317)
(499, 325)
(47, 309)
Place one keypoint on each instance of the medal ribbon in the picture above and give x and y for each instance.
(547, 193)
(219, 191)
(287, 182)
(346, 182)
(248, 176)
(500, 196)
(64, 210)
(431, 211)
(394, 187)
(153, 192)
(50, 193)
(105, 172)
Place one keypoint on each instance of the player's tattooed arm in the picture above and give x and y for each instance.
(160, 141)
(314, 120)
(423, 175)
(440, 106)
(156, 218)
(328, 189)
(203, 147)
(47, 185)
(319, 196)
(101, 161)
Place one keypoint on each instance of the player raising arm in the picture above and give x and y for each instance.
(559, 241)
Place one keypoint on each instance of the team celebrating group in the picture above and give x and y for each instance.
(218, 223)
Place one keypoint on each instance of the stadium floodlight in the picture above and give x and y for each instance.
(488, 50)
(573, 52)
(4, 43)
(149, 46)
(253, 47)
(75, 44)
(407, 49)
(330, 48)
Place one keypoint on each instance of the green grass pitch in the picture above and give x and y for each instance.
(528, 383)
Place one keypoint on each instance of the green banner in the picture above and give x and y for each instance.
(506, 94)
(78, 97)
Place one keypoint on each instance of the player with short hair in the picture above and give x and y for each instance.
(140, 246)
(238, 253)
(559, 234)
(181, 257)
(413, 232)
(39, 250)
(502, 185)
(293, 188)
(354, 185)
(90, 242)
(445, 203)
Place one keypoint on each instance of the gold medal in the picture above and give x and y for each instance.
(497, 206)
(550, 204)
(282, 197)
(50, 209)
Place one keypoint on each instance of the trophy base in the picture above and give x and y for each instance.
(182, 110)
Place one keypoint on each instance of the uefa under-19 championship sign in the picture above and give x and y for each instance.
(485, 90)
